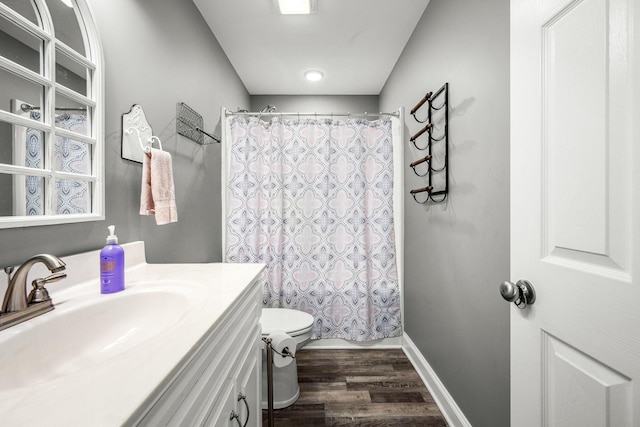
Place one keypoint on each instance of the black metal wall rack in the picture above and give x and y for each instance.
(436, 145)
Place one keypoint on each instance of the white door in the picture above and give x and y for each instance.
(575, 212)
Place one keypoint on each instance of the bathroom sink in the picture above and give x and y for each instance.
(87, 330)
(100, 360)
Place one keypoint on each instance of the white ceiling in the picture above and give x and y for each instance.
(355, 43)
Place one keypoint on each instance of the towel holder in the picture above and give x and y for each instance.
(436, 189)
(137, 134)
(145, 148)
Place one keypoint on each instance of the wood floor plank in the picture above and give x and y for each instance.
(309, 386)
(380, 410)
(390, 377)
(340, 371)
(387, 396)
(408, 384)
(328, 397)
(386, 422)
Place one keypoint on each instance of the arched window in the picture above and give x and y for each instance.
(51, 113)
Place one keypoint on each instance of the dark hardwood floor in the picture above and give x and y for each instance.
(358, 388)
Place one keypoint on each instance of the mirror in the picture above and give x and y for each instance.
(51, 114)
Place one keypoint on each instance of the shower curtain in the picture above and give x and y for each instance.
(72, 197)
(313, 200)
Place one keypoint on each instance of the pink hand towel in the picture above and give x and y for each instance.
(157, 196)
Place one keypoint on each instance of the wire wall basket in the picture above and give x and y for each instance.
(189, 124)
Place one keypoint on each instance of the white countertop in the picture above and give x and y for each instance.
(108, 393)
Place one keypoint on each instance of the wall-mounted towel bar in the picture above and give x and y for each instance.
(437, 146)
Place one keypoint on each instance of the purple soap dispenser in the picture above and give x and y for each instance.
(111, 265)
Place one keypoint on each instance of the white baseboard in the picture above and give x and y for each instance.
(340, 344)
(448, 407)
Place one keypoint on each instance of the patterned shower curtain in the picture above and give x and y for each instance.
(72, 197)
(313, 200)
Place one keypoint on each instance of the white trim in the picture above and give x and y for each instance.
(224, 171)
(97, 92)
(340, 344)
(27, 221)
(24, 170)
(76, 136)
(16, 119)
(24, 72)
(449, 408)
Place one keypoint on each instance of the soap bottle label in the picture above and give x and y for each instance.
(107, 265)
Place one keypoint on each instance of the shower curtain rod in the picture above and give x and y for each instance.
(276, 113)
(27, 108)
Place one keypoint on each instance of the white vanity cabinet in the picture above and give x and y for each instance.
(214, 381)
(175, 348)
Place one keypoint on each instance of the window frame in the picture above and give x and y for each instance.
(93, 61)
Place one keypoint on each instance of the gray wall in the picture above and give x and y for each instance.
(157, 53)
(317, 103)
(458, 253)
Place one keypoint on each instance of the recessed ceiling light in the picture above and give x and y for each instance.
(297, 7)
(313, 75)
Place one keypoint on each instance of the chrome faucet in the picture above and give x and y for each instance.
(16, 307)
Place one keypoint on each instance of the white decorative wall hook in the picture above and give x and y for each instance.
(150, 140)
(137, 135)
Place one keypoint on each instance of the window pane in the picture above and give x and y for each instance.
(72, 156)
(71, 115)
(71, 74)
(20, 46)
(34, 195)
(21, 146)
(24, 8)
(67, 29)
(21, 195)
(17, 91)
(72, 196)
(6, 194)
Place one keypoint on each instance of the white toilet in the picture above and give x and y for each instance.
(298, 325)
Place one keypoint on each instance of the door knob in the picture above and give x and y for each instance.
(521, 293)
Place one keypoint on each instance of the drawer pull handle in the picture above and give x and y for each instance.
(244, 399)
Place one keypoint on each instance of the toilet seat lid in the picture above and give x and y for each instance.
(292, 322)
